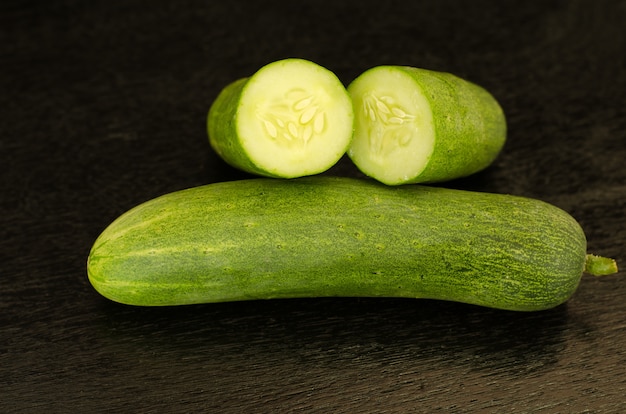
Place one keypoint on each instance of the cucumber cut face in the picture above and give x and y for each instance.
(291, 118)
(394, 134)
(418, 126)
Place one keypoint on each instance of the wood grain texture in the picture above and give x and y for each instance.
(104, 106)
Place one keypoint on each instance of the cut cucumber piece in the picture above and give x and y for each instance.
(292, 118)
(417, 126)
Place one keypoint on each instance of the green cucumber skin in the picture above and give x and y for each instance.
(221, 122)
(470, 126)
(331, 236)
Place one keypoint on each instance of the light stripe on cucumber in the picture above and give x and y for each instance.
(291, 118)
(417, 126)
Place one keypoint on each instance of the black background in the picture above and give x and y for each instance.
(103, 106)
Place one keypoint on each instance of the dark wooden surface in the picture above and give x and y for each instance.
(103, 106)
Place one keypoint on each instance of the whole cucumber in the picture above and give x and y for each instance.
(330, 236)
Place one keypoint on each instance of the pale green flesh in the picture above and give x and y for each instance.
(324, 236)
(415, 126)
(394, 134)
(291, 118)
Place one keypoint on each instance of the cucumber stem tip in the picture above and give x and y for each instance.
(600, 266)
